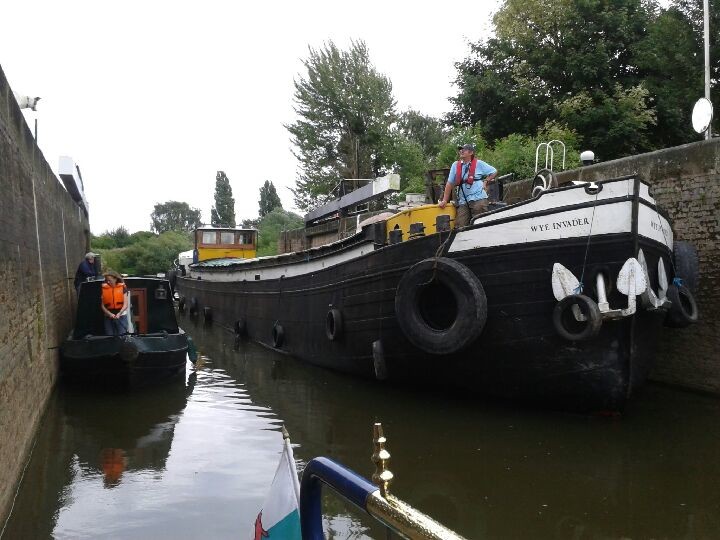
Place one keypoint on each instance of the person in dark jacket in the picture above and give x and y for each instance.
(86, 270)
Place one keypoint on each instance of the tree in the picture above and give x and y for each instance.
(223, 213)
(174, 216)
(115, 238)
(547, 58)
(670, 61)
(269, 198)
(270, 227)
(345, 109)
(425, 130)
(145, 253)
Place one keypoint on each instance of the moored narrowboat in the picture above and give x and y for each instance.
(153, 347)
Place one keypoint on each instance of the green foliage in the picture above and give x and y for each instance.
(270, 227)
(111, 239)
(175, 216)
(269, 198)
(345, 109)
(222, 213)
(428, 132)
(448, 153)
(623, 74)
(670, 62)
(562, 60)
(409, 161)
(514, 153)
(250, 223)
(147, 253)
(611, 121)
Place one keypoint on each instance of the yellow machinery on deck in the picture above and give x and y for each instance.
(426, 214)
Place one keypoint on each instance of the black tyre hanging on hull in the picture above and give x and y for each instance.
(440, 305)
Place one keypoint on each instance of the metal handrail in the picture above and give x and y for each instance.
(400, 517)
(549, 154)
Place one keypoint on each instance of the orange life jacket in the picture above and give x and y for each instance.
(471, 172)
(113, 297)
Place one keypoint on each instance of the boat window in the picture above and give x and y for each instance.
(241, 239)
(209, 237)
(227, 237)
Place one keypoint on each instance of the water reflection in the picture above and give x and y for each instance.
(492, 471)
(195, 459)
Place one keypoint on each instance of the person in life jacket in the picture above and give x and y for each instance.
(472, 176)
(114, 304)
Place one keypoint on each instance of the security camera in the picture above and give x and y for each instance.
(27, 102)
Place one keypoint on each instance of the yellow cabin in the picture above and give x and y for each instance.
(225, 242)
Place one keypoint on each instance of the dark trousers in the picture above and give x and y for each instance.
(462, 218)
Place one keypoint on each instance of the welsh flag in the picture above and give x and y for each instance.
(279, 517)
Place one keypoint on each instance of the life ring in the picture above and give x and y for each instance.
(683, 311)
(687, 266)
(193, 306)
(240, 327)
(207, 314)
(333, 324)
(566, 323)
(278, 335)
(181, 304)
(440, 305)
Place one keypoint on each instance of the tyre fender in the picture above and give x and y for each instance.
(566, 324)
(683, 311)
(278, 335)
(181, 304)
(207, 314)
(333, 324)
(193, 306)
(240, 327)
(440, 305)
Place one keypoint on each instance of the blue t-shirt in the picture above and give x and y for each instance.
(477, 190)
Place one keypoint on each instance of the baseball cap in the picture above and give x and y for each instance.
(90, 254)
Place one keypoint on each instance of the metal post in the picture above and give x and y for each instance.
(706, 20)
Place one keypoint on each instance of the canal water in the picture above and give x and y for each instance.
(194, 459)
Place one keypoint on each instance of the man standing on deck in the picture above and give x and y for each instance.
(473, 176)
(86, 270)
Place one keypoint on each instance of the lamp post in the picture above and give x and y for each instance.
(706, 32)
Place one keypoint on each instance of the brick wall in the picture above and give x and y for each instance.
(685, 181)
(43, 237)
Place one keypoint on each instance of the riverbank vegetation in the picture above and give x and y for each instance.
(153, 252)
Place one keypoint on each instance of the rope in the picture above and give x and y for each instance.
(579, 289)
(436, 257)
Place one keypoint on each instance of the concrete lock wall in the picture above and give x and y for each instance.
(43, 237)
(685, 181)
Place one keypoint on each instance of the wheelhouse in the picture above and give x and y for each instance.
(225, 242)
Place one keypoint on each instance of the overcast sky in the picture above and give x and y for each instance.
(152, 98)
